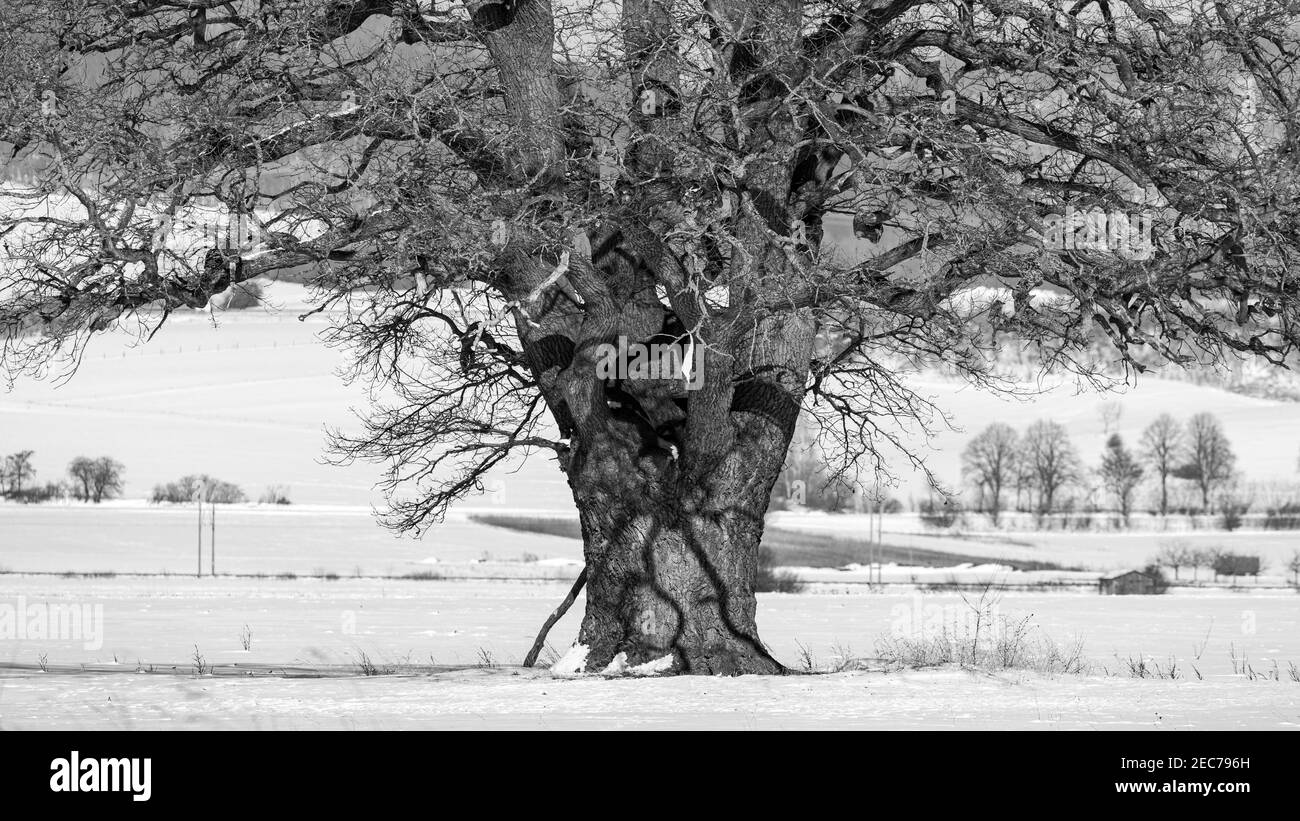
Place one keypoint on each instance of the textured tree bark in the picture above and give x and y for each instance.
(670, 573)
(671, 544)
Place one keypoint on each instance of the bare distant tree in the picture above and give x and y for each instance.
(199, 487)
(1293, 565)
(82, 472)
(803, 464)
(808, 479)
(989, 462)
(1051, 460)
(95, 480)
(18, 470)
(1209, 459)
(1024, 479)
(1162, 448)
(819, 196)
(1177, 554)
(1202, 557)
(105, 479)
(1120, 473)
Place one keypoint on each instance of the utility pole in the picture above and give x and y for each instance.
(881, 530)
(212, 548)
(880, 540)
(199, 494)
(871, 539)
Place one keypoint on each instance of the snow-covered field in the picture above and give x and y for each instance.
(1096, 551)
(321, 597)
(247, 396)
(248, 401)
(133, 663)
(301, 539)
(134, 537)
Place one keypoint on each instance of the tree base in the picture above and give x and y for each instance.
(579, 661)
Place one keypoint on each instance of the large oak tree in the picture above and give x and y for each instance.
(488, 193)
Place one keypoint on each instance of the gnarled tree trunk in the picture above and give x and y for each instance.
(671, 572)
(671, 540)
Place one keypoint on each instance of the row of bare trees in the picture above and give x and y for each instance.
(1178, 555)
(90, 479)
(1037, 465)
(96, 479)
(1198, 452)
(1041, 465)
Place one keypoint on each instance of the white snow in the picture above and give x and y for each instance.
(318, 627)
(617, 666)
(572, 663)
(505, 698)
(654, 667)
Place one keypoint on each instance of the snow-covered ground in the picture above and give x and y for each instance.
(133, 663)
(160, 620)
(504, 698)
